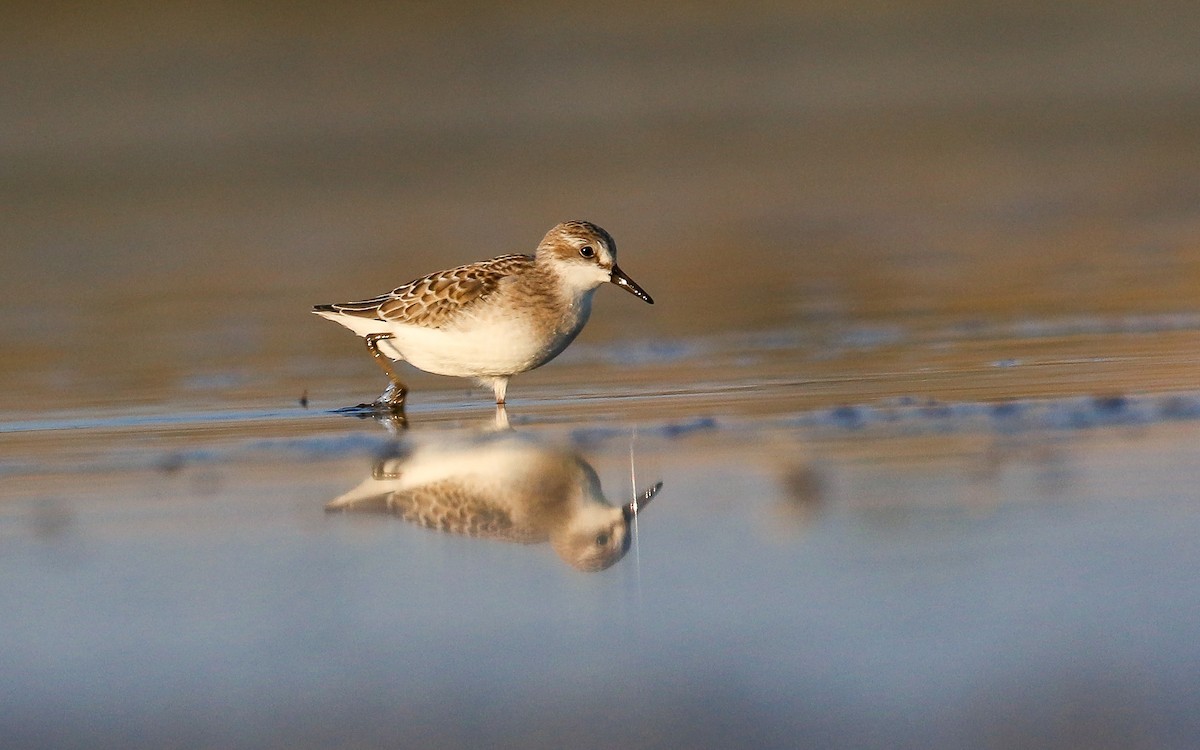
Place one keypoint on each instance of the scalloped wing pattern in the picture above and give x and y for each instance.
(451, 507)
(432, 301)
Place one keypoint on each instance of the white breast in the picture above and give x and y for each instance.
(498, 340)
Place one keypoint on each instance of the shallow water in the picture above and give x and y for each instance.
(920, 381)
(896, 583)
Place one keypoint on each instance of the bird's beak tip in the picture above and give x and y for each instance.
(622, 280)
(631, 510)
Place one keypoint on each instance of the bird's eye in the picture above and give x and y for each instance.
(601, 540)
(587, 251)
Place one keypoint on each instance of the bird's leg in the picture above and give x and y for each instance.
(393, 396)
(500, 387)
(502, 418)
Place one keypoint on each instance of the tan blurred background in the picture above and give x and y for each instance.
(181, 181)
(834, 204)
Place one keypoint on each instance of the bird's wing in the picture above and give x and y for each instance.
(453, 507)
(432, 301)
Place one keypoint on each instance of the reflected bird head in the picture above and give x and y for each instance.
(599, 535)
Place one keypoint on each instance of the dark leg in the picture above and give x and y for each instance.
(393, 396)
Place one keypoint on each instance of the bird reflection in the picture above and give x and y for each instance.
(500, 485)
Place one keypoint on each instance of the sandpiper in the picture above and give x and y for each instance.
(492, 319)
(504, 486)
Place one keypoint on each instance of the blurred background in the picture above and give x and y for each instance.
(844, 210)
(180, 182)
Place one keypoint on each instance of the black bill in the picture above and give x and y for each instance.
(632, 509)
(620, 279)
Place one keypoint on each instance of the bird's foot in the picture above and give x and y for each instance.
(392, 398)
(389, 415)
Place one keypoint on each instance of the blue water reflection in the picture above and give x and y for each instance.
(875, 592)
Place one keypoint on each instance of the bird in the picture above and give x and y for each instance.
(502, 485)
(488, 320)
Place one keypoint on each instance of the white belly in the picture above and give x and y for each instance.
(498, 339)
(485, 346)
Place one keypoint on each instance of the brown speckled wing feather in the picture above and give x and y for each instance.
(433, 300)
(449, 506)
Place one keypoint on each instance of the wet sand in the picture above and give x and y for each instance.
(920, 381)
